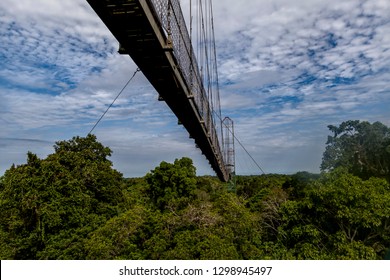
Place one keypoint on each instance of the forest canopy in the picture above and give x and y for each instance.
(361, 147)
(74, 205)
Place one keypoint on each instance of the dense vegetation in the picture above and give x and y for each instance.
(74, 205)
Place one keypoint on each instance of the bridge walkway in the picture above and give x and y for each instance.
(154, 34)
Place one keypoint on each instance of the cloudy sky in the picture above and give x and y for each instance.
(287, 69)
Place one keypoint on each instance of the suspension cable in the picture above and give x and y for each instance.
(240, 143)
(258, 166)
(109, 107)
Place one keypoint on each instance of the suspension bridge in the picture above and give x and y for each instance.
(155, 35)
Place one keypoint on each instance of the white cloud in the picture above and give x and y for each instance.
(287, 70)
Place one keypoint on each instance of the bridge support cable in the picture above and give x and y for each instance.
(202, 24)
(154, 34)
(252, 158)
(205, 47)
(109, 106)
(247, 152)
(229, 129)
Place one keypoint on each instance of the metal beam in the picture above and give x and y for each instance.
(138, 27)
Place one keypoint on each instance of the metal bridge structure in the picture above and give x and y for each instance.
(154, 34)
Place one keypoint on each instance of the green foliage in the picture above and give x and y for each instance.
(340, 217)
(47, 207)
(122, 237)
(74, 205)
(297, 184)
(361, 147)
(249, 186)
(173, 183)
(215, 224)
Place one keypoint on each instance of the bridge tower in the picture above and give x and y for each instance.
(229, 151)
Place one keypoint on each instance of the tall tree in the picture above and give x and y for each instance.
(363, 148)
(170, 183)
(48, 206)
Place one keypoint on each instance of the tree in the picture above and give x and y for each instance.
(340, 217)
(171, 183)
(48, 206)
(361, 147)
(123, 236)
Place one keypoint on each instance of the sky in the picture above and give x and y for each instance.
(287, 70)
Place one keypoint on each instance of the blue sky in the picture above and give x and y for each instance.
(287, 69)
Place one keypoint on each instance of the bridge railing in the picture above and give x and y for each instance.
(171, 18)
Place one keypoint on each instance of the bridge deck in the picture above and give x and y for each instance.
(136, 26)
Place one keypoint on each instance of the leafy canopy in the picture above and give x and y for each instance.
(361, 147)
(48, 206)
(74, 205)
(169, 182)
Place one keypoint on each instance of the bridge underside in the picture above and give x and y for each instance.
(135, 25)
